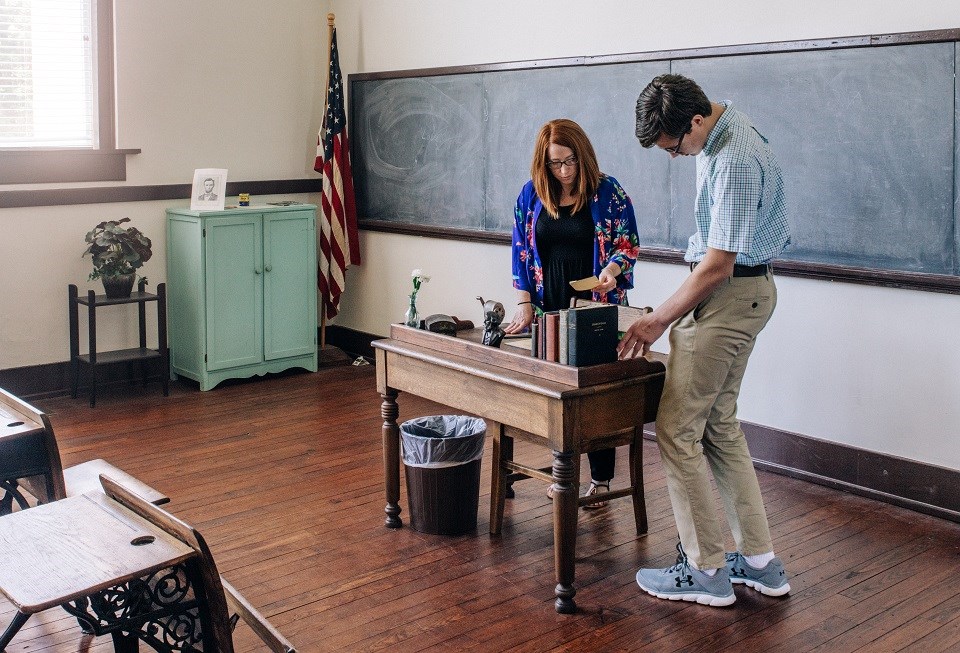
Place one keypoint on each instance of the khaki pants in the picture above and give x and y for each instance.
(697, 421)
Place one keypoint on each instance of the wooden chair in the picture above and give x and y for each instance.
(30, 460)
(223, 606)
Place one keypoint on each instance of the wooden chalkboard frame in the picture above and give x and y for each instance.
(943, 283)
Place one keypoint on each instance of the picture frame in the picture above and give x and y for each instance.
(209, 189)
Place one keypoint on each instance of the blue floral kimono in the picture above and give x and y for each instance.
(615, 228)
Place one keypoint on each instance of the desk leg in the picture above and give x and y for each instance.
(125, 642)
(564, 530)
(502, 451)
(636, 481)
(15, 625)
(391, 457)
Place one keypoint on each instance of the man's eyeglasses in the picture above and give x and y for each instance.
(570, 162)
(676, 148)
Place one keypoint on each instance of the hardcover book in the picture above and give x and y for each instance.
(592, 335)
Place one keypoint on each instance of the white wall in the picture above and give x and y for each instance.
(874, 368)
(239, 85)
(200, 84)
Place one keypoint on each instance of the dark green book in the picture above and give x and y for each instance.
(592, 335)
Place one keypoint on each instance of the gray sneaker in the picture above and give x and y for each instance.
(682, 582)
(771, 580)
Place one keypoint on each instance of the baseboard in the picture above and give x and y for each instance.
(918, 486)
(353, 342)
(53, 379)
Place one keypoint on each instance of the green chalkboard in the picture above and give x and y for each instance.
(866, 135)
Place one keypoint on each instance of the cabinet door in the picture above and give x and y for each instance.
(233, 249)
(289, 284)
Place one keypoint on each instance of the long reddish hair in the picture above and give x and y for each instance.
(565, 133)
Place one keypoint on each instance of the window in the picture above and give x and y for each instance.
(56, 92)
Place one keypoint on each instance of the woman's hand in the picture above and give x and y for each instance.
(521, 319)
(608, 278)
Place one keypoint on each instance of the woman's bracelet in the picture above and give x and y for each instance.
(526, 302)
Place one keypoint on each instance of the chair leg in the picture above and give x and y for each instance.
(502, 451)
(15, 625)
(636, 481)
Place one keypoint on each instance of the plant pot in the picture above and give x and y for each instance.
(118, 287)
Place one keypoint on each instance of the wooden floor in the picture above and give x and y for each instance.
(283, 476)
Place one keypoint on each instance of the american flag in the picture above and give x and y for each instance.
(339, 240)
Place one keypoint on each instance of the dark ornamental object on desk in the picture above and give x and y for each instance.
(440, 323)
(493, 315)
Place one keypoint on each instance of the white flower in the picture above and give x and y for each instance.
(418, 278)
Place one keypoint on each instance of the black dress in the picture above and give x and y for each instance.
(565, 245)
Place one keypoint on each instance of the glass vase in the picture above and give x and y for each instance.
(411, 318)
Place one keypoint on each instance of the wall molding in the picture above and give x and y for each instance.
(112, 194)
(910, 484)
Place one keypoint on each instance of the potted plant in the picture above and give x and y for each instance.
(117, 252)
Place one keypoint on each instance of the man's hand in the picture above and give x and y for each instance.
(640, 336)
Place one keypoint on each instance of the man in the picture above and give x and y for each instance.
(208, 195)
(716, 314)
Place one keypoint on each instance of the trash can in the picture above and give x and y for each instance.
(441, 456)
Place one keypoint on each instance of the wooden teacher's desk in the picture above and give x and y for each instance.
(568, 409)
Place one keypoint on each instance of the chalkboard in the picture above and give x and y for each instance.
(866, 136)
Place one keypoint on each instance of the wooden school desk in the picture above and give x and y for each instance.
(87, 554)
(567, 409)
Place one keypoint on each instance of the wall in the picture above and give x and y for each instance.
(874, 368)
(200, 84)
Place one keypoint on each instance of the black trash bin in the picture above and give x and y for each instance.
(441, 456)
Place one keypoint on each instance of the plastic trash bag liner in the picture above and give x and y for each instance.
(442, 440)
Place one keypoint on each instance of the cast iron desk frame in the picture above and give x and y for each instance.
(567, 419)
(80, 553)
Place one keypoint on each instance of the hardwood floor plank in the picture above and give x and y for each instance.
(284, 478)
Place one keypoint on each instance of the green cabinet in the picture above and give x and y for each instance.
(241, 291)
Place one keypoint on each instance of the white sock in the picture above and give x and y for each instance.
(759, 561)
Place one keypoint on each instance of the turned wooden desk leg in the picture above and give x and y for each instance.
(636, 481)
(391, 457)
(565, 529)
(502, 451)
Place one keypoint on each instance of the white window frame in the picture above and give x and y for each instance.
(104, 162)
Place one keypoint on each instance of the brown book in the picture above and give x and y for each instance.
(553, 336)
(542, 348)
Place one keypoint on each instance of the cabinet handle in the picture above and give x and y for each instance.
(256, 270)
(268, 268)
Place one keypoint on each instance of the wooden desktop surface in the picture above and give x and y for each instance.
(67, 549)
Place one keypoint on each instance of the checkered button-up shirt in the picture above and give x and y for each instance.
(740, 204)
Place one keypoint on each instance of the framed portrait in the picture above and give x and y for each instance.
(209, 189)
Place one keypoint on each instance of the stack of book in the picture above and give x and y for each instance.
(578, 336)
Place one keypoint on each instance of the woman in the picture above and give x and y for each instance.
(571, 222)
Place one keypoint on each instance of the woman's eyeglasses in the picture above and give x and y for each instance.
(570, 162)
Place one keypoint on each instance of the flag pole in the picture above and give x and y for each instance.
(323, 304)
